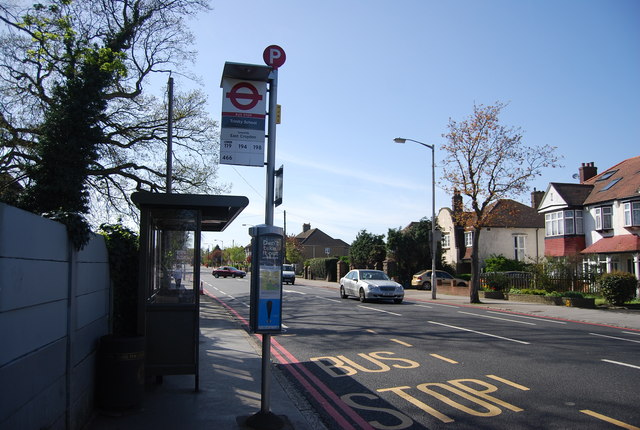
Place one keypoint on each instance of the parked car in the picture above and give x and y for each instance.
(288, 274)
(370, 285)
(225, 271)
(422, 280)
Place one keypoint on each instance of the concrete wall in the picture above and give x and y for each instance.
(54, 306)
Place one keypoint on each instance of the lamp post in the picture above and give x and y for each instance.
(433, 209)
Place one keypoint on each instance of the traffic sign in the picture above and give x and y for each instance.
(242, 130)
(274, 56)
(237, 96)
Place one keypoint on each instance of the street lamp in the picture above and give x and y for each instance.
(433, 209)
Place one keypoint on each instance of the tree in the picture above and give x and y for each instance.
(76, 117)
(486, 161)
(293, 251)
(411, 249)
(367, 250)
(235, 254)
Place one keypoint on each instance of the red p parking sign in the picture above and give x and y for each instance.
(274, 56)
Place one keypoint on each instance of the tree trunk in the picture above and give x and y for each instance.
(474, 296)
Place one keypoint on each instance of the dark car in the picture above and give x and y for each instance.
(225, 271)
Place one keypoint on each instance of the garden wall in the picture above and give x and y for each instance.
(54, 306)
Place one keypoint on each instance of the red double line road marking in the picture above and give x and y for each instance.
(320, 392)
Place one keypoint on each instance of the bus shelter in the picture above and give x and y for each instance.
(171, 226)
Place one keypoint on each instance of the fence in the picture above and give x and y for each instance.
(54, 305)
(526, 280)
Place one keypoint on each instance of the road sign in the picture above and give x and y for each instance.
(274, 56)
(244, 109)
(244, 96)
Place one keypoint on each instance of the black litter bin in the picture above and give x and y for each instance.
(120, 372)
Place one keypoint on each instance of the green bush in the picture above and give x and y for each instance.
(323, 268)
(122, 245)
(527, 291)
(618, 287)
(496, 282)
(500, 263)
(574, 294)
(554, 294)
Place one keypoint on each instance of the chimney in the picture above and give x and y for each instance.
(536, 198)
(456, 201)
(306, 227)
(587, 171)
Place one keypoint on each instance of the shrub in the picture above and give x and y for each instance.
(618, 287)
(555, 294)
(323, 268)
(496, 282)
(573, 294)
(500, 263)
(122, 245)
(527, 291)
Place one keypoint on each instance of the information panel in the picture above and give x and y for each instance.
(266, 279)
(242, 130)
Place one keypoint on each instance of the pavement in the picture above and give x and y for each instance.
(231, 370)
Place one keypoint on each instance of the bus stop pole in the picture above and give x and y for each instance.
(265, 404)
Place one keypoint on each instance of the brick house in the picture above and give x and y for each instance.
(317, 244)
(598, 218)
(514, 230)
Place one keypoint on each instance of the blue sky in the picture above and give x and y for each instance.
(359, 73)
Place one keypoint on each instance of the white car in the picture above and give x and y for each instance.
(368, 284)
(288, 274)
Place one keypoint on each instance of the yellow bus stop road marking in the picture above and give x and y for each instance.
(401, 342)
(448, 360)
(609, 420)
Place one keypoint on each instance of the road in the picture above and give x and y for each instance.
(430, 365)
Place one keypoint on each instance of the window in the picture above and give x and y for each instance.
(553, 224)
(607, 175)
(468, 239)
(604, 219)
(578, 222)
(563, 222)
(632, 214)
(610, 184)
(519, 242)
(568, 223)
(446, 240)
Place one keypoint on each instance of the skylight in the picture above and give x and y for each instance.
(607, 175)
(610, 184)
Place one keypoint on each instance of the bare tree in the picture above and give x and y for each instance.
(487, 161)
(46, 45)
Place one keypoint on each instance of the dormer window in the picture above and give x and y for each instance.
(604, 218)
(468, 239)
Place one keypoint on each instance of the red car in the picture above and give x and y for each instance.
(225, 271)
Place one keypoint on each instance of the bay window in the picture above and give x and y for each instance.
(604, 218)
(565, 222)
(632, 214)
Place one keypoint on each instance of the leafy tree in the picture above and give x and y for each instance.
(293, 250)
(235, 254)
(78, 127)
(411, 249)
(367, 250)
(487, 161)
